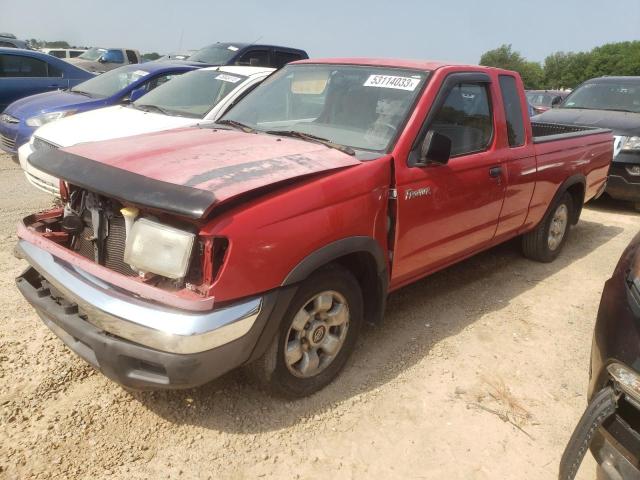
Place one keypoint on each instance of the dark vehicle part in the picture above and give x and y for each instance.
(601, 407)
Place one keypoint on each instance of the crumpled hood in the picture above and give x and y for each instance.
(107, 123)
(188, 171)
(622, 123)
(48, 102)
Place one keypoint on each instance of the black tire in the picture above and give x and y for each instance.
(271, 370)
(602, 406)
(536, 244)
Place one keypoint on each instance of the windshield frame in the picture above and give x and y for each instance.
(393, 139)
(567, 99)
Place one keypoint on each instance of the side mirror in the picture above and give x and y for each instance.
(136, 94)
(102, 60)
(436, 148)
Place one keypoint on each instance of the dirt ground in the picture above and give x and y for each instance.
(479, 372)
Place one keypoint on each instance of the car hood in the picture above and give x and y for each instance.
(108, 123)
(189, 171)
(49, 102)
(86, 64)
(622, 123)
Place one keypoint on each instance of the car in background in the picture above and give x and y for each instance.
(122, 85)
(27, 72)
(9, 40)
(610, 425)
(247, 55)
(197, 97)
(100, 60)
(543, 100)
(609, 102)
(64, 52)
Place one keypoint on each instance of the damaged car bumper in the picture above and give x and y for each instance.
(140, 344)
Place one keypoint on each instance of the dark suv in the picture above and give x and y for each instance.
(247, 54)
(610, 426)
(8, 40)
(614, 103)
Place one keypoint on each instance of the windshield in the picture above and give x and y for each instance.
(540, 99)
(606, 96)
(193, 94)
(93, 54)
(359, 107)
(111, 82)
(214, 54)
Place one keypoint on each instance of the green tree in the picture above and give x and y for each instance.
(57, 44)
(151, 56)
(505, 57)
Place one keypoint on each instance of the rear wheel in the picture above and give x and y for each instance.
(316, 337)
(547, 239)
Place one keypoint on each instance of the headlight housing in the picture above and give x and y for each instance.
(39, 120)
(157, 248)
(631, 144)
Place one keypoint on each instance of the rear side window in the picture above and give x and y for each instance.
(75, 53)
(512, 110)
(58, 53)
(465, 117)
(131, 56)
(255, 58)
(282, 58)
(18, 66)
(7, 45)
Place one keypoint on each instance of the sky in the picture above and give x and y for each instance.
(454, 30)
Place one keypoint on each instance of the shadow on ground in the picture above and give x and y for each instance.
(487, 282)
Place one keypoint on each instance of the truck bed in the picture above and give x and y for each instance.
(549, 132)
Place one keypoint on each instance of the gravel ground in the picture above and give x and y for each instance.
(479, 372)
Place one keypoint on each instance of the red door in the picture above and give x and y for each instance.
(445, 212)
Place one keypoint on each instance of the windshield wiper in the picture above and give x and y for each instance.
(238, 125)
(620, 110)
(313, 138)
(148, 107)
(80, 92)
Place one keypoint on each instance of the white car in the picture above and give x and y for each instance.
(196, 97)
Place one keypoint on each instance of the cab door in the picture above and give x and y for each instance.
(448, 211)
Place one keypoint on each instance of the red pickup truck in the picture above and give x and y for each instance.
(267, 239)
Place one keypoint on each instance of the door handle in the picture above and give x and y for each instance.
(495, 172)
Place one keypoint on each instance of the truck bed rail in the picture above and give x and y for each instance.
(548, 132)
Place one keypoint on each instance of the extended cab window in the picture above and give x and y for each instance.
(255, 58)
(512, 110)
(465, 117)
(131, 56)
(282, 58)
(18, 66)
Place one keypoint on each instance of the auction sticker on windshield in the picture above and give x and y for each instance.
(141, 73)
(227, 78)
(390, 81)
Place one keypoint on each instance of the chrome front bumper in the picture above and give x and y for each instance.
(145, 323)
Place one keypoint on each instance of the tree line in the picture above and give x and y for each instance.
(568, 69)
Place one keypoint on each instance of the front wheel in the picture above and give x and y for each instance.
(547, 239)
(317, 335)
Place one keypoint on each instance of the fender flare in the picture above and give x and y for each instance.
(335, 250)
(568, 183)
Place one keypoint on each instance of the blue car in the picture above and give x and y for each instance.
(122, 85)
(26, 72)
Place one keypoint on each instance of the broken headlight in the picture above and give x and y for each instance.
(157, 248)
